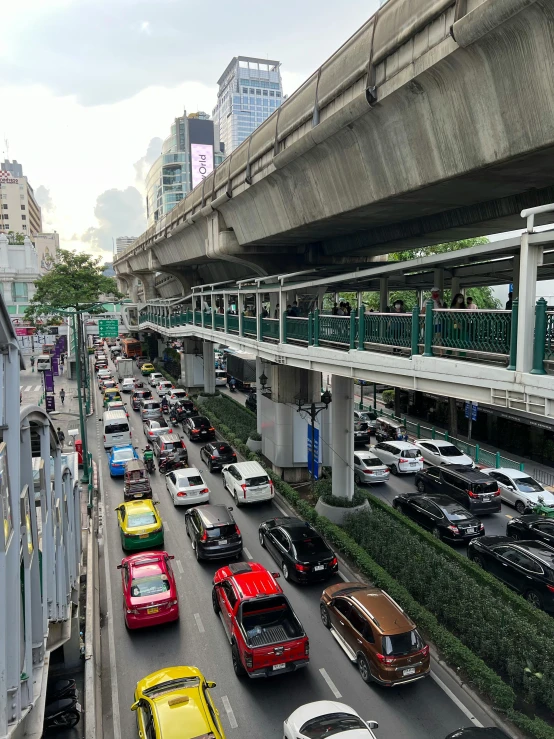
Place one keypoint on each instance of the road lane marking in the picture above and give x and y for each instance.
(166, 527)
(456, 700)
(279, 508)
(180, 567)
(110, 614)
(199, 623)
(330, 683)
(248, 555)
(229, 712)
(342, 576)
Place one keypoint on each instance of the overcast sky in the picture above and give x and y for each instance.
(90, 87)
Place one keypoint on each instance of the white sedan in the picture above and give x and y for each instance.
(327, 718)
(164, 387)
(519, 489)
(152, 429)
(176, 396)
(436, 451)
(187, 487)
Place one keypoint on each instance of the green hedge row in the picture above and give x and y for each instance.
(235, 416)
(459, 655)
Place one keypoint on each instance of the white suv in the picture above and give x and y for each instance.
(247, 482)
(400, 456)
(154, 378)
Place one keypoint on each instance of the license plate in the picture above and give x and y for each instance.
(223, 541)
(409, 671)
(413, 464)
(143, 536)
(471, 531)
(486, 499)
(317, 568)
(137, 495)
(152, 610)
(280, 666)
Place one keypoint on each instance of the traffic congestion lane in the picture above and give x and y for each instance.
(199, 638)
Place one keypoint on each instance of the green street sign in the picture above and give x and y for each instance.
(108, 329)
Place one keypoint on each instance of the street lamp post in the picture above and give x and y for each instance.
(314, 409)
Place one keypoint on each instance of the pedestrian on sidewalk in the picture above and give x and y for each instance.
(62, 395)
(33, 363)
(61, 437)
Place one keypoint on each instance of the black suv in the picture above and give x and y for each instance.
(525, 566)
(216, 454)
(251, 401)
(532, 526)
(165, 444)
(441, 515)
(139, 395)
(213, 532)
(198, 428)
(473, 489)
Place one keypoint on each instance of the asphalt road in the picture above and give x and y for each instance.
(428, 709)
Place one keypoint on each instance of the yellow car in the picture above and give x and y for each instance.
(140, 525)
(147, 369)
(110, 395)
(175, 704)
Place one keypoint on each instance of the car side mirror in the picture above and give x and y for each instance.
(156, 502)
(119, 508)
(119, 567)
(276, 575)
(373, 724)
(210, 684)
(136, 705)
(170, 556)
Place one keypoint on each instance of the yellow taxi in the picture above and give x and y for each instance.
(175, 703)
(147, 369)
(140, 525)
(111, 394)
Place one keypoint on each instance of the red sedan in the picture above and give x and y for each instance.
(149, 589)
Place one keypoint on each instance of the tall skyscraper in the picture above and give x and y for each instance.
(250, 90)
(122, 242)
(188, 155)
(19, 211)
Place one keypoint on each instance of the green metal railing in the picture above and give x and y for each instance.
(249, 326)
(484, 332)
(207, 319)
(232, 323)
(219, 321)
(296, 329)
(334, 329)
(270, 329)
(389, 329)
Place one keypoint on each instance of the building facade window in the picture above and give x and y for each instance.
(19, 292)
(23, 218)
(22, 207)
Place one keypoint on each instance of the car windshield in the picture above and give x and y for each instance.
(179, 394)
(224, 449)
(450, 451)
(372, 462)
(117, 428)
(123, 455)
(331, 724)
(253, 481)
(151, 406)
(223, 531)
(485, 487)
(141, 519)
(145, 586)
(171, 685)
(311, 546)
(410, 453)
(399, 644)
(190, 481)
(201, 421)
(528, 485)
(455, 512)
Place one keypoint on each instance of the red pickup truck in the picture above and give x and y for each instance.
(265, 635)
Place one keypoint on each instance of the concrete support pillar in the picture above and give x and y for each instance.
(192, 364)
(342, 423)
(438, 279)
(455, 286)
(274, 305)
(259, 370)
(285, 430)
(209, 367)
(515, 276)
(150, 292)
(383, 294)
(530, 259)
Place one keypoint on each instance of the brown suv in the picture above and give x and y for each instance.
(375, 633)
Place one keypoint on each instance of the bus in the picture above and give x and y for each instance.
(131, 348)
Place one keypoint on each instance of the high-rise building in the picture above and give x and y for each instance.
(19, 211)
(19, 270)
(250, 90)
(187, 157)
(122, 242)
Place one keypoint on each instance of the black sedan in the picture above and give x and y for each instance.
(525, 566)
(441, 515)
(532, 526)
(216, 454)
(479, 732)
(298, 549)
(198, 428)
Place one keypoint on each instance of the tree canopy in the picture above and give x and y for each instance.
(482, 296)
(75, 281)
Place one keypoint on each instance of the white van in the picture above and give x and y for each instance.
(44, 363)
(116, 429)
(220, 377)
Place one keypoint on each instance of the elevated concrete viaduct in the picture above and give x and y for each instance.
(433, 122)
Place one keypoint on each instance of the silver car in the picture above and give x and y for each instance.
(153, 428)
(369, 469)
(151, 409)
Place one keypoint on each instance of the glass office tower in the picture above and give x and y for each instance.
(250, 90)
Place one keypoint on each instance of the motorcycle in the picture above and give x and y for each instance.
(61, 689)
(149, 464)
(169, 463)
(64, 713)
(232, 387)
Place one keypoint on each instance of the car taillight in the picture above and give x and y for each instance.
(248, 660)
(130, 434)
(307, 646)
(550, 588)
(134, 611)
(104, 438)
(205, 490)
(368, 472)
(385, 660)
(150, 433)
(271, 487)
(213, 456)
(455, 529)
(181, 495)
(234, 456)
(244, 490)
(472, 494)
(425, 651)
(170, 431)
(237, 530)
(302, 568)
(497, 493)
(211, 428)
(403, 460)
(334, 562)
(204, 536)
(481, 527)
(194, 431)
(173, 602)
